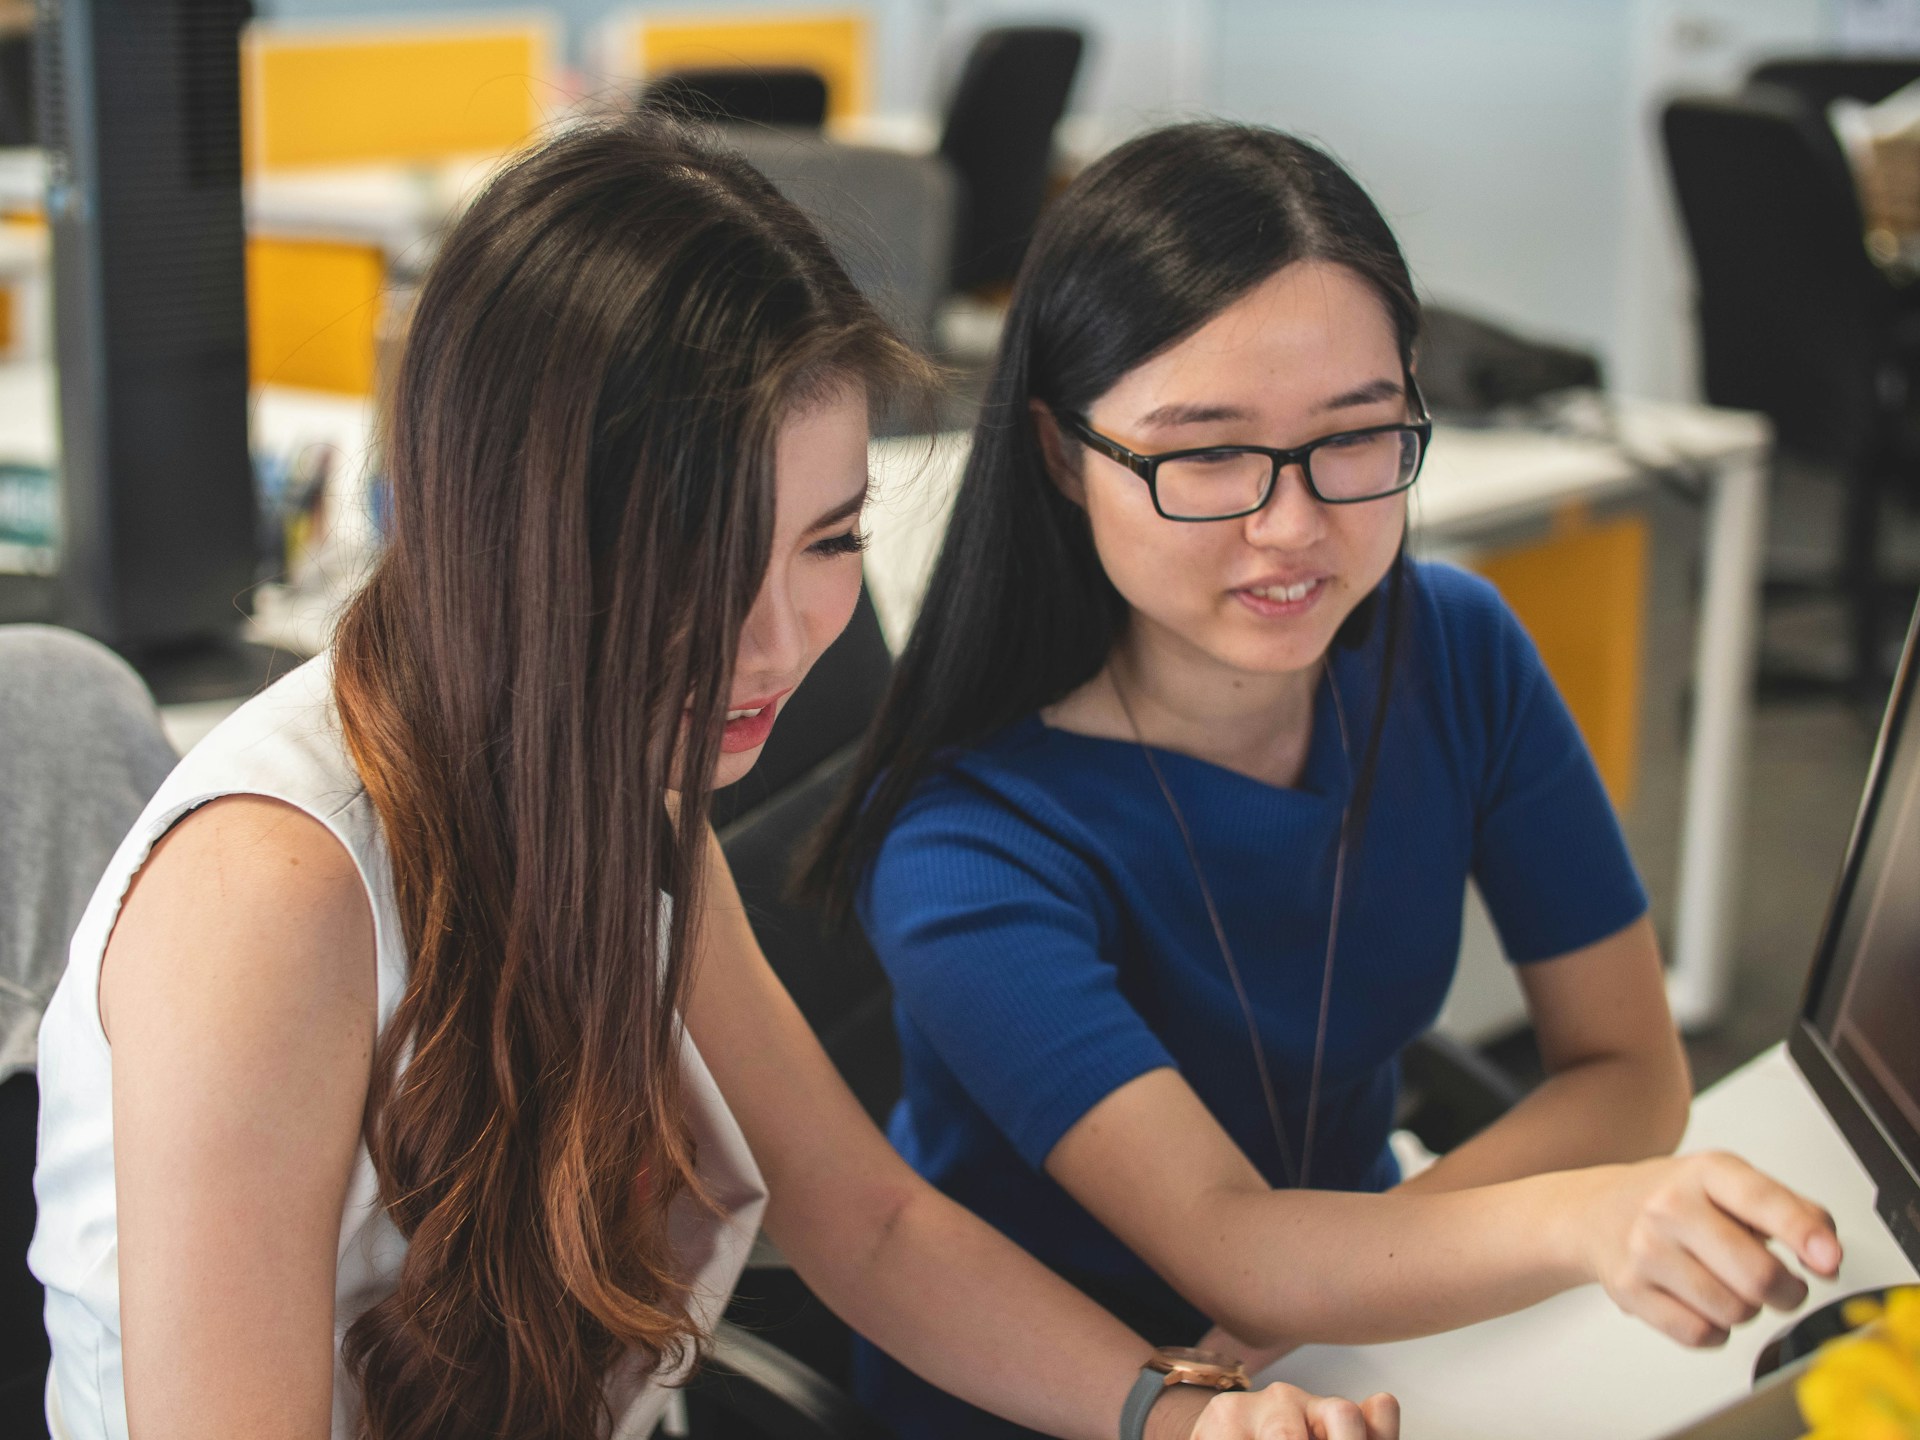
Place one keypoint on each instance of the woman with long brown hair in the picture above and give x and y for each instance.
(415, 1073)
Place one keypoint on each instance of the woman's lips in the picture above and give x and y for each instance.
(749, 725)
(1275, 601)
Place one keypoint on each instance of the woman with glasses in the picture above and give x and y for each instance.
(1164, 830)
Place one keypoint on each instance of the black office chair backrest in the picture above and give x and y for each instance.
(1793, 315)
(1822, 79)
(1011, 94)
(826, 714)
(785, 95)
(834, 978)
(19, 124)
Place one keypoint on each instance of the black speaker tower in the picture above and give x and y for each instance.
(140, 116)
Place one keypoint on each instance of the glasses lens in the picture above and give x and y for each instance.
(1219, 482)
(1358, 467)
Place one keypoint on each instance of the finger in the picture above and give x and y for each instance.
(1383, 1416)
(1770, 1207)
(1277, 1412)
(1739, 1257)
(1681, 1275)
(1673, 1319)
(1336, 1419)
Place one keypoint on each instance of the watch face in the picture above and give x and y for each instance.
(1183, 1365)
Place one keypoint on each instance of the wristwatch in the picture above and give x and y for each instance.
(1176, 1365)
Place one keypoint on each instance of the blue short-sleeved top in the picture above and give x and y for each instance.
(1038, 915)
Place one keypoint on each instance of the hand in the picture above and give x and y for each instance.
(1682, 1243)
(1282, 1412)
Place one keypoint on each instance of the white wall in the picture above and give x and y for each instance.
(1512, 145)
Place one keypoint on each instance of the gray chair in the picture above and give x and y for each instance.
(889, 215)
(81, 753)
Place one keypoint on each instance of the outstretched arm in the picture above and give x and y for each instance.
(1678, 1242)
(1617, 1086)
(938, 1288)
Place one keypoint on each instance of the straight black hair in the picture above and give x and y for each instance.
(1145, 247)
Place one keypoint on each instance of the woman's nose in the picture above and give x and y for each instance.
(1292, 517)
(773, 641)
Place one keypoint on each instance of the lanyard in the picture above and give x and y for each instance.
(1300, 1176)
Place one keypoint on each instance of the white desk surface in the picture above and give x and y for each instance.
(389, 205)
(23, 178)
(282, 417)
(1576, 1368)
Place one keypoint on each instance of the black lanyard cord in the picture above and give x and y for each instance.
(1297, 1177)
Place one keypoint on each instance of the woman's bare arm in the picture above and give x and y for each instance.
(942, 1291)
(1617, 1085)
(1675, 1241)
(238, 994)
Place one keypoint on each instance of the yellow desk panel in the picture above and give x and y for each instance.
(1582, 595)
(835, 44)
(316, 96)
(313, 313)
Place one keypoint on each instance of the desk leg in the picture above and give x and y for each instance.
(1698, 983)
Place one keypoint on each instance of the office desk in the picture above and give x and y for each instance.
(281, 420)
(1575, 1367)
(399, 208)
(1479, 484)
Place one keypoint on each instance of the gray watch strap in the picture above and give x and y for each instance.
(1151, 1385)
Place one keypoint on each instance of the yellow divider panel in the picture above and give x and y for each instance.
(1582, 595)
(6, 318)
(835, 44)
(339, 97)
(313, 313)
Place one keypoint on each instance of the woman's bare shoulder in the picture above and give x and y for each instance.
(245, 895)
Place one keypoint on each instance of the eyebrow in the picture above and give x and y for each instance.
(846, 510)
(1173, 414)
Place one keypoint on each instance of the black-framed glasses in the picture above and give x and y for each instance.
(1225, 482)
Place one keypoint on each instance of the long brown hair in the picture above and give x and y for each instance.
(580, 456)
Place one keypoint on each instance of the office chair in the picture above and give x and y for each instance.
(1796, 321)
(998, 137)
(81, 752)
(1820, 80)
(790, 96)
(19, 125)
(887, 214)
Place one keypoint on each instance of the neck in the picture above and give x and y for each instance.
(1182, 700)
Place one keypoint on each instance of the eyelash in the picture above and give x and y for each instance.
(852, 542)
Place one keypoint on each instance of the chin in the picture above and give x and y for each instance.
(1273, 655)
(735, 767)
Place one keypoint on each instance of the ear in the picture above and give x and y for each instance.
(1064, 472)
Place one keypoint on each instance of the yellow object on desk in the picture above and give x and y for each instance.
(313, 313)
(1866, 1386)
(833, 43)
(334, 95)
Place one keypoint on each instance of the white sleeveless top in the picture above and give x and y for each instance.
(286, 744)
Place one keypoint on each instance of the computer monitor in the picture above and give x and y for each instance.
(1858, 1036)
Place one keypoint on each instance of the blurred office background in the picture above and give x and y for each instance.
(1679, 316)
